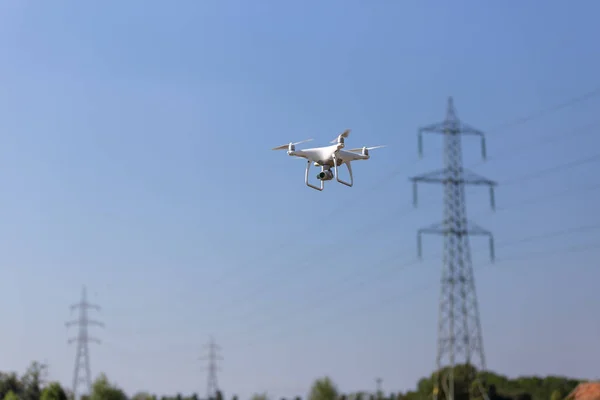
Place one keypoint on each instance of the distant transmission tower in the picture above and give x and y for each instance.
(379, 390)
(212, 386)
(82, 374)
(459, 329)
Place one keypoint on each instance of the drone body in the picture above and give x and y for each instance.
(328, 157)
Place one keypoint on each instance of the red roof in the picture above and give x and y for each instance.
(586, 391)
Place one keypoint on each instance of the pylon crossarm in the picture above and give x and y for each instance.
(472, 178)
(435, 229)
(439, 127)
(85, 304)
(476, 230)
(466, 129)
(430, 177)
(446, 176)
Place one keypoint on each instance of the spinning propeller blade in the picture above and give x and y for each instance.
(340, 136)
(287, 146)
(360, 149)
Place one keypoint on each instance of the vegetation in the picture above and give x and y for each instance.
(32, 386)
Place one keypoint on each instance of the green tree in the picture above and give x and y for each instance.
(323, 389)
(219, 395)
(53, 391)
(102, 389)
(463, 374)
(425, 387)
(11, 396)
(259, 396)
(32, 381)
(9, 383)
(556, 395)
(142, 396)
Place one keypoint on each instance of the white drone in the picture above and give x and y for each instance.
(327, 157)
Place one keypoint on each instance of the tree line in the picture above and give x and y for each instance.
(469, 384)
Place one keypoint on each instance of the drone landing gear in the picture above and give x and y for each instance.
(337, 176)
(308, 183)
(326, 175)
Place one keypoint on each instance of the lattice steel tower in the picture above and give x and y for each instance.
(212, 386)
(82, 373)
(459, 328)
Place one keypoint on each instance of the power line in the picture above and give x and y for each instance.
(353, 234)
(570, 134)
(212, 386)
(429, 285)
(557, 107)
(546, 171)
(569, 250)
(537, 200)
(400, 169)
(579, 130)
(532, 116)
(82, 355)
(318, 301)
(545, 196)
(510, 151)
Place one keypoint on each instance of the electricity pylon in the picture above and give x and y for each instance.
(459, 327)
(212, 386)
(82, 355)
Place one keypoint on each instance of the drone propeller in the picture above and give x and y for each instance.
(341, 136)
(365, 150)
(290, 145)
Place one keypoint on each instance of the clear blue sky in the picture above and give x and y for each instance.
(135, 159)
